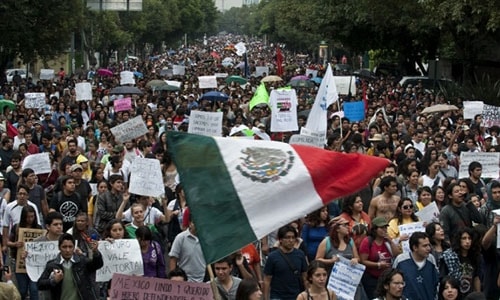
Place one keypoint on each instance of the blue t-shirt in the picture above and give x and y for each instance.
(285, 284)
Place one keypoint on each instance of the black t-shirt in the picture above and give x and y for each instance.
(68, 206)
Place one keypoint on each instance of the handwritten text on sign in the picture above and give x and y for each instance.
(409, 229)
(25, 235)
(83, 91)
(205, 123)
(40, 163)
(146, 178)
(121, 256)
(345, 278)
(300, 139)
(207, 82)
(39, 253)
(129, 130)
(34, 100)
(488, 160)
(122, 104)
(134, 287)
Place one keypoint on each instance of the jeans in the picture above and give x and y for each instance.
(24, 284)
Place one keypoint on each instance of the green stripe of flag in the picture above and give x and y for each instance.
(208, 186)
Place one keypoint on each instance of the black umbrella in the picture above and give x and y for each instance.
(124, 90)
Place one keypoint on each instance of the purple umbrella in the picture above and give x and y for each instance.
(300, 77)
(104, 72)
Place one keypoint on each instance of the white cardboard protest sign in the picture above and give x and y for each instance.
(40, 163)
(488, 160)
(301, 139)
(491, 116)
(207, 82)
(343, 84)
(221, 75)
(34, 100)
(122, 256)
(345, 278)
(409, 229)
(429, 214)
(205, 123)
(174, 83)
(83, 91)
(146, 178)
(260, 70)
(472, 108)
(39, 253)
(127, 77)
(178, 70)
(47, 74)
(129, 130)
(313, 72)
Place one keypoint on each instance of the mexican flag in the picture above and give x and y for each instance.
(239, 190)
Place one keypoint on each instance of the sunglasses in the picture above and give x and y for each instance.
(407, 206)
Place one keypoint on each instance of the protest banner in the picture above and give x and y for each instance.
(260, 70)
(146, 178)
(178, 70)
(409, 229)
(472, 108)
(354, 111)
(344, 84)
(40, 163)
(491, 116)
(167, 72)
(34, 100)
(127, 77)
(205, 123)
(429, 214)
(47, 74)
(207, 82)
(221, 75)
(38, 254)
(121, 256)
(313, 72)
(122, 104)
(344, 278)
(134, 287)
(83, 91)
(301, 139)
(129, 130)
(174, 83)
(308, 132)
(488, 160)
(25, 235)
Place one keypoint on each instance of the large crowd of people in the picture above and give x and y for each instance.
(85, 197)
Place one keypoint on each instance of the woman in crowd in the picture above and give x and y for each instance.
(115, 230)
(436, 237)
(376, 253)
(28, 219)
(317, 278)
(424, 197)
(359, 221)
(84, 234)
(439, 196)
(137, 211)
(463, 260)
(431, 178)
(109, 202)
(152, 256)
(449, 289)
(405, 214)
(248, 289)
(315, 230)
(410, 190)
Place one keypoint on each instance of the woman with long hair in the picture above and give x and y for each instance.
(102, 187)
(315, 230)
(28, 219)
(317, 277)
(424, 197)
(449, 289)
(410, 189)
(248, 289)
(436, 237)
(405, 214)
(431, 178)
(439, 196)
(359, 221)
(84, 234)
(463, 260)
(153, 260)
(115, 230)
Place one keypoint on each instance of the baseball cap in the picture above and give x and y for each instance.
(118, 148)
(379, 222)
(76, 167)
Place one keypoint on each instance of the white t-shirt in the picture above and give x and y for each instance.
(283, 110)
(151, 216)
(12, 214)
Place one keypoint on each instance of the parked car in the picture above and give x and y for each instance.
(11, 72)
(426, 82)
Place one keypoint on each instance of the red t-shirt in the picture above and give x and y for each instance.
(375, 253)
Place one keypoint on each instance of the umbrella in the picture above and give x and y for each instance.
(438, 108)
(167, 87)
(124, 90)
(301, 83)
(236, 78)
(7, 103)
(317, 80)
(156, 83)
(104, 72)
(138, 74)
(215, 96)
(271, 78)
(300, 77)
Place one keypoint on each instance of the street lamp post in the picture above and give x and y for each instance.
(323, 52)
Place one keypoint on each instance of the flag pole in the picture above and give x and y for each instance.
(213, 284)
(338, 103)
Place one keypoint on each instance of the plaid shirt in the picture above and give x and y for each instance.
(452, 262)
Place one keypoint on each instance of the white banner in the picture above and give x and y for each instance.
(345, 278)
(40, 163)
(205, 123)
(47, 74)
(174, 83)
(146, 178)
(34, 100)
(409, 229)
(221, 75)
(207, 82)
(127, 77)
(300, 139)
(491, 116)
(429, 214)
(260, 70)
(129, 130)
(488, 160)
(313, 72)
(178, 70)
(39, 253)
(472, 108)
(121, 256)
(83, 91)
(343, 84)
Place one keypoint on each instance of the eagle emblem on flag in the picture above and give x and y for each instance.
(265, 164)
